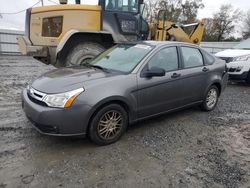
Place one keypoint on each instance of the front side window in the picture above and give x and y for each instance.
(166, 59)
(123, 57)
(122, 5)
(191, 57)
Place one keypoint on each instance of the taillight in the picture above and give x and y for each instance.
(52, 27)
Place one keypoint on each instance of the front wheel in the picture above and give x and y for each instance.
(83, 52)
(108, 125)
(211, 99)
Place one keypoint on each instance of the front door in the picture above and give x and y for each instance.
(160, 94)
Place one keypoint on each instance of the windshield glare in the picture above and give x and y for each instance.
(243, 45)
(122, 57)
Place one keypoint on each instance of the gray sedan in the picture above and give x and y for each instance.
(125, 84)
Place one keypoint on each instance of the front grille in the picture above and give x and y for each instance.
(232, 70)
(37, 101)
(36, 96)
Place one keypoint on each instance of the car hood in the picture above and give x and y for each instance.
(232, 53)
(66, 79)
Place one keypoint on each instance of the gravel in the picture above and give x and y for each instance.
(189, 148)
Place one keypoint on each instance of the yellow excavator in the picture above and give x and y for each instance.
(71, 34)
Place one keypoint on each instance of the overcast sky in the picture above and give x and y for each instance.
(16, 21)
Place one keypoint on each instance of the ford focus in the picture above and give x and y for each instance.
(125, 84)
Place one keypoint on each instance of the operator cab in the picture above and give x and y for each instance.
(122, 6)
(123, 18)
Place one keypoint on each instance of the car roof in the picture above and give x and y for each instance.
(161, 43)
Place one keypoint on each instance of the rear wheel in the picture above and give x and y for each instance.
(83, 52)
(108, 125)
(211, 99)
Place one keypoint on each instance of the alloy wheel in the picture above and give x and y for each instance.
(211, 98)
(110, 125)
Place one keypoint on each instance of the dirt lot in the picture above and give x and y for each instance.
(185, 149)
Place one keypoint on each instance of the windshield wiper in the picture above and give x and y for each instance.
(96, 66)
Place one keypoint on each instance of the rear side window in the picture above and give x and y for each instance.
(191, 57)
(166, 59)
(209, 59)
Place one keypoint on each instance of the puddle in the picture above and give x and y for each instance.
(236, 140)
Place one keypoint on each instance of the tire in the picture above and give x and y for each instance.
(83, 52)
(207, 105)
(103, 126)
(248, 78)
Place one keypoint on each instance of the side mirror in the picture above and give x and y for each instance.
(154, 72)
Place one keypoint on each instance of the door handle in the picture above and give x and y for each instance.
(205, 69)
(175, 75)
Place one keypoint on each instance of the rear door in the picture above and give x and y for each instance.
(194, 74)
(160, 94)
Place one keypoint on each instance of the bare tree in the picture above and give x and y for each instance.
(246, 29)
(172, 8)
(209, 34)
(224, 21)
(184, 11)
(151, 10)
(190, 10)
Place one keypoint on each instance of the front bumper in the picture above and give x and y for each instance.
(44, 54)
(240, 76)
(26, 48)
(72, 121)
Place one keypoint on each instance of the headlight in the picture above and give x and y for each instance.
(239, 68)
(52, 27)
(62, 100)
(242, 58)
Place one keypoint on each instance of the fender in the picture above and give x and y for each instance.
(72, 32)
(131, 108)
(215, 80)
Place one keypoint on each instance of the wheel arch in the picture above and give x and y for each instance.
(219, 86)
(112, 100)
(216, 83)
(74, 37)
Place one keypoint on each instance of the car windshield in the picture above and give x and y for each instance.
(243, 45)
(122, 57)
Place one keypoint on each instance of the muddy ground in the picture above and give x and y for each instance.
(185, 149)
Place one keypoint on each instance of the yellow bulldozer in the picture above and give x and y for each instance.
(71, 34)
